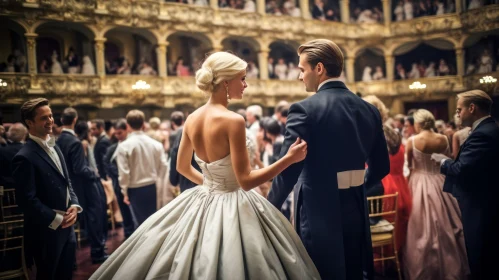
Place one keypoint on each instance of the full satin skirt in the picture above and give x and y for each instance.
(208, 234)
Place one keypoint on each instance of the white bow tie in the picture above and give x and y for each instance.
(50, 143)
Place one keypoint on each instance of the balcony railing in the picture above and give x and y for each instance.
(113, 90)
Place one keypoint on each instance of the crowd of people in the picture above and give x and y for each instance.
(427, 249)
(16, 63)
(423, 70)
(72, 64)
(442, 173)
(409, 9)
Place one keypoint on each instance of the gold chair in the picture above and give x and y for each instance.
(78, 234)
(9, 210)
(384, 206)
(13, 249)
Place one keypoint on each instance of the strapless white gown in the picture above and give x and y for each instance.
(213, 231)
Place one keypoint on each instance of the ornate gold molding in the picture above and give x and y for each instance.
(158, 15)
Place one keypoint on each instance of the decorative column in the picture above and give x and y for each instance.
(214, 4)
(305, 9)
(99, 56)
(390, 67)
(345, 11)
(161, 56)
(263, 60)
(218, 47)
(31, 52)
(349, 65)
(459, 6)
(387, 11)
(260, 7)
(460, 61)
(397, 106)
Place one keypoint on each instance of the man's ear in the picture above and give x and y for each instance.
(320, 68)
(29, 123)
(472, 108)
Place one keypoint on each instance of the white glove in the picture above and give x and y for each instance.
(439, 158)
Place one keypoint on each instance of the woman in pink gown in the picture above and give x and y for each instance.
(434, 247)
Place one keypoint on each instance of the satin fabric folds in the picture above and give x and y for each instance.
(212, 231)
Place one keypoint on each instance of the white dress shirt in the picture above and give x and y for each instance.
(141, 160)
(48, 147)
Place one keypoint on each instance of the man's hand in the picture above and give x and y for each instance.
(125, 199)
(437, 158)
(70, 217)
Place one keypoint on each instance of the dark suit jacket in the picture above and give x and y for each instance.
(111, 166)
(7, 153)
(79, 170)
(343, 133)
(40, 188)
(175, 177)
(100, 150)
(472, 179)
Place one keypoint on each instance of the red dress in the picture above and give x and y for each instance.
(396, 182)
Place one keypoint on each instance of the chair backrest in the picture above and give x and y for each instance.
(384, 206)
(9, 210)
(12, 263)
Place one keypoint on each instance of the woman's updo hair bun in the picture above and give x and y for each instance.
(425, 119)
(218, 67)
(204, 79)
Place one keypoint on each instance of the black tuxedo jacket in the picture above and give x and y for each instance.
(111, 165)
(175, 177)
(472, 174)
(472, 178)
(100, 150)
(343, 133)
(7, 153)
(80, 173)
(41, 189)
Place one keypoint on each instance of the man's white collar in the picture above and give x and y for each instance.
(337, 79)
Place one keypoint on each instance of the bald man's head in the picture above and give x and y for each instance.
(17, 132)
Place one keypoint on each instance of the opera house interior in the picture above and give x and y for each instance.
(107, 57)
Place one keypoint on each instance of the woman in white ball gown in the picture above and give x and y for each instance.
(220, 229)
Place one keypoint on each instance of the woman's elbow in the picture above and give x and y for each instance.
(182, 170)
(245, 185)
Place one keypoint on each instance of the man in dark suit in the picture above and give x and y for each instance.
(111, 165)
(343, 133)
(15, 141)
(85, 183)
(97, 129)
(176, 178)
(101, 146)
(472, 178)
(45, 195)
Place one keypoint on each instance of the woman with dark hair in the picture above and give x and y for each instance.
(82, 130)
(273, 136)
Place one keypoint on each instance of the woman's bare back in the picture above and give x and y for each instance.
(430, 143)
(207, 129)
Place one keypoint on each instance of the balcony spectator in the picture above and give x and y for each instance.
(281, 69)
(249, 6)
(88, 67)
(252, 72)
(147, 70)
(44, 67)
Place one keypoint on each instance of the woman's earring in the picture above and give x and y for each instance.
(227, 91)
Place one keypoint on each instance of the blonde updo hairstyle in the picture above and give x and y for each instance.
(425, 119)
(376, 102)
(218, 67)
